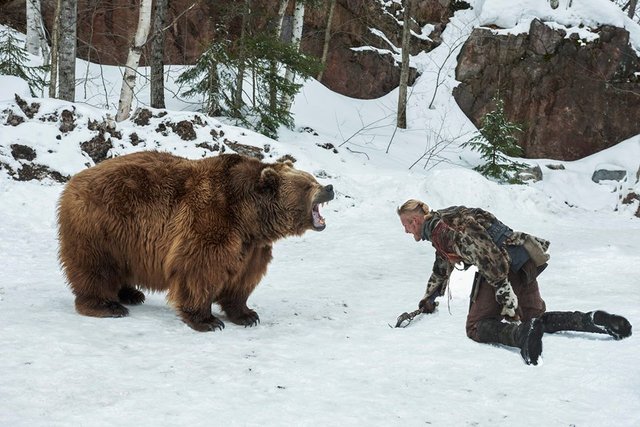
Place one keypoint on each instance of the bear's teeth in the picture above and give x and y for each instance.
(317, 218)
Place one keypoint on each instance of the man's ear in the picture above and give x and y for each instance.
(269, 179)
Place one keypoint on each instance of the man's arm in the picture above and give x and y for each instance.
(437, 284)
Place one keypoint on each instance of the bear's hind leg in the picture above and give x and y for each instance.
(130, 295)
(97, 307)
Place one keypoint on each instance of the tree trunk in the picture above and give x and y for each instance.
(298, 23)
(213, 106)
(404, 72)
(67, 50)
(273, 67)
(237, 96)
(55, 43)
(281, 11)
(157, 55)
(327, 38)
(33, 27)
(133, 59)
(632, 8)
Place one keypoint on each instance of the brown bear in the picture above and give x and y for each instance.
(201, 229)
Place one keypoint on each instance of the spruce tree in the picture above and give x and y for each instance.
(494, 141)
(214, 77)
(13, 62)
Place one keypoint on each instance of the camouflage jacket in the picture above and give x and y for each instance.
(475, 237)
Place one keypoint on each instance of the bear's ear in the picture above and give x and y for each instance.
(269, 179)
(288, 163)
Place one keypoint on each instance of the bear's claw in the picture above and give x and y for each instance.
(248, 319)
(208, 324)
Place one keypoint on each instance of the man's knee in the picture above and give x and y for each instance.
(472, 330)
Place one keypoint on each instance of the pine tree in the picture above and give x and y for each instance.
(13, 60)
(494, 141)
(215, 74)
(207, 78)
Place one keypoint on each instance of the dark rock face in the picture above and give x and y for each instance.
(572, 97)
(367, 74)
(106, 28)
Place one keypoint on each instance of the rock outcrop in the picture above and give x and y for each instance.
(573, 97)
(106, 28)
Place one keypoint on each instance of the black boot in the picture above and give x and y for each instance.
(599, 322)
(526, 336)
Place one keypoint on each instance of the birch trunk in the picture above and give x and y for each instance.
(298, 23)
(281, 10)
(157, 55)
(67, 50)
(401, 120)
(327, 39)
(55, 43)
(133, 59)
(33, 27)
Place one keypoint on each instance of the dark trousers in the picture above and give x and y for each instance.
(483, 304)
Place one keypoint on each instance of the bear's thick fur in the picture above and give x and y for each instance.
(201, 229)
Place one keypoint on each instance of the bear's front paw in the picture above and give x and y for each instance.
(203, 324)
(249, 319)
(209, 325)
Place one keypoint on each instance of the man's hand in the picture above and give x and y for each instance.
(427, 305)
(510, 315)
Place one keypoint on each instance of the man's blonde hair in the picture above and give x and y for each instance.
(414, 206)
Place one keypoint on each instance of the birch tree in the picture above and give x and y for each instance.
(133, 59)
(34, 28)
(404, 72)
(282, 8)
(157, 54)
(55, 43)
(298, 23)
(327, 39)
(67, 50)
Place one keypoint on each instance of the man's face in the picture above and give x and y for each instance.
(413, 225)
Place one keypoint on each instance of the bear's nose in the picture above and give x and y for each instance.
(328, 188)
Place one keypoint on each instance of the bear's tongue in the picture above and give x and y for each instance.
(318, 220)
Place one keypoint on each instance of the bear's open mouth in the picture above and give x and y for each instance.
(323, 196)
(318, 220)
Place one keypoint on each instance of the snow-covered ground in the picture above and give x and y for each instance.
(324, 353)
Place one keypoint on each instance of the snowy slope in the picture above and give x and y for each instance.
(324, 353)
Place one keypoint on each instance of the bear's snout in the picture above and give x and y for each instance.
(325, 194)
